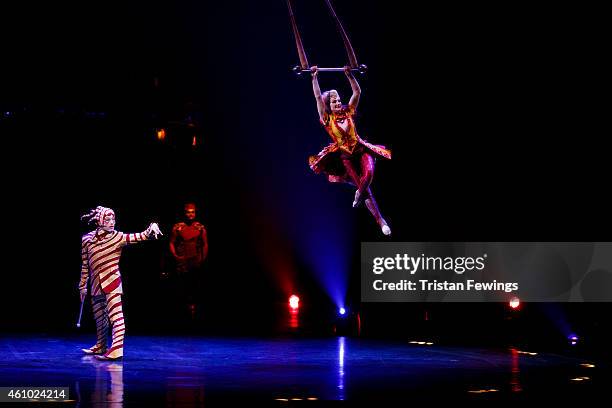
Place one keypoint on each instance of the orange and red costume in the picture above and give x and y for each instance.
(346, 143)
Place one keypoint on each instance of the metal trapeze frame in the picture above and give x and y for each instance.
(304, 66)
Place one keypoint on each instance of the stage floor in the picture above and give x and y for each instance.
(205, 371)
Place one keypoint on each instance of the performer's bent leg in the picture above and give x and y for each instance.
(354, 176)
(98, 304)
(115, 316)
(350, 170)
(370, 202)
(366, 163)
(367, 175)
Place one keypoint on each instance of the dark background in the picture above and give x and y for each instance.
(494, 115)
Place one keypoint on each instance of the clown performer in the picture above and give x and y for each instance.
(100, 254)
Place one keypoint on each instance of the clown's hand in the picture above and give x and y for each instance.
(153, 230)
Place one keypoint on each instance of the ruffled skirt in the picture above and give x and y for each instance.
(329, 160)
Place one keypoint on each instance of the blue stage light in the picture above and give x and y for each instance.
(573, 339)
(342, 311)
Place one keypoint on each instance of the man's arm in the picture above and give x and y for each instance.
(173, 237)
(204, 244)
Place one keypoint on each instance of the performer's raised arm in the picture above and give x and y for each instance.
(354, 101)
(317, 93)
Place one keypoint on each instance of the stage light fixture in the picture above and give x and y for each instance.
(342, 311)
(514, 303)
(573, 339)
(294, 302)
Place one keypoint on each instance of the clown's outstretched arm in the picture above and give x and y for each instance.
(84, 270)
(317, 93)
(151, 232)
(354, 101)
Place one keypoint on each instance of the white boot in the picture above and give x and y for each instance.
(113, 355)
(356, 200)
(95, 350)
(385, 229)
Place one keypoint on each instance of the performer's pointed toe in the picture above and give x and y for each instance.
(93, 350)
(357, 199)
(106, 357)
(386, 230)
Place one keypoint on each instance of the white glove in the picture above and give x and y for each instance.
(154, 230)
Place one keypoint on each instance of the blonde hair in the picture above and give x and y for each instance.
(326, 97)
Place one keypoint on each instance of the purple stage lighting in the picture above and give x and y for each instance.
(573, 339)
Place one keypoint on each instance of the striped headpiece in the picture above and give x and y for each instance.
(96, 215)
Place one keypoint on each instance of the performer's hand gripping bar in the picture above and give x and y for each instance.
(303, 67)
(298, 70)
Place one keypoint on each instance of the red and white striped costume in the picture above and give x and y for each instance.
(100, 255)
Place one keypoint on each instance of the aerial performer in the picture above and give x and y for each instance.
(100, 254)
(349, 158)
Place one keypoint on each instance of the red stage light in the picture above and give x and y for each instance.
(161, 134)
(514, 303)
(294, 302)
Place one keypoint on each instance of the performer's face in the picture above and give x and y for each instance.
(108, 221)
(335, 104)
(190, 213)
